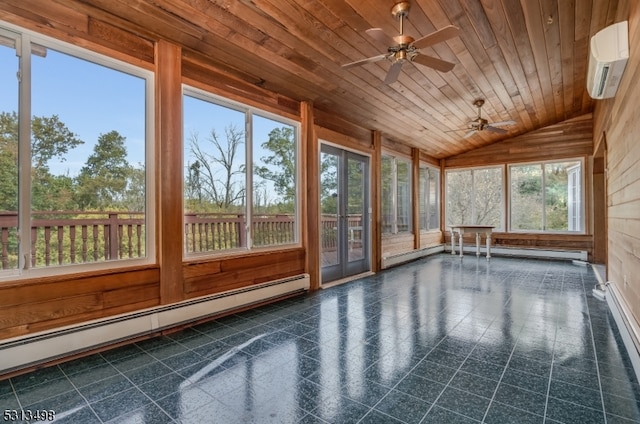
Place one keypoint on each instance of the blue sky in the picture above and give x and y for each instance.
(91, 99)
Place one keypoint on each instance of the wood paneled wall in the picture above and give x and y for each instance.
(616, 123)
(45, 303)
(32, 305)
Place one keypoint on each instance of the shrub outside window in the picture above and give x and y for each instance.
(475, 197)
(546, 197)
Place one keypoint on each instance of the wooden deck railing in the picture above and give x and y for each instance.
(70, 237)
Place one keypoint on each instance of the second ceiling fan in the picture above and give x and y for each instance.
(406, 48)
(481, 124)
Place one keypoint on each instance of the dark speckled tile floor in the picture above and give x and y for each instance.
(439, 340)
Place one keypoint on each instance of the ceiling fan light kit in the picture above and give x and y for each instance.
(406, 48)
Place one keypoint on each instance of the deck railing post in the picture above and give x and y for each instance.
(113, 236)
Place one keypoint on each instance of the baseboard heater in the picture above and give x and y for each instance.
(401, 258)
(578, 255)
(627, 326)
(35, 349)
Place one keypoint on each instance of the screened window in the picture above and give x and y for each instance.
(546, 196)
(429, 198)
(73, 152)
(475, 197)
(240, 169)
(396, 195)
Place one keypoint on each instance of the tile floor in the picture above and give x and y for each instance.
(439, 340)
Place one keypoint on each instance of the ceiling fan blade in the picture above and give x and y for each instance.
(393, 73)
(365, 61)
(432, 62)
(495, 130)
(379, 34)
(470, 133)
(502, 123)
(437, 37)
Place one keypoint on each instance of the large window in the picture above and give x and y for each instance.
(546, 196)
(240, 173)
(73, 152)
(475, 197)
(429, 198)
(396, 195)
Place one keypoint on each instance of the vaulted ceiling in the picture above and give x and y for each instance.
(526, 58)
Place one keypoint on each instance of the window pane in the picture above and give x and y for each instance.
(575, 197)
(434, 199)
(526, 197)
(8, 154)
(423, 191)
(329, 207)
(274, 182)
(429, 199)
(558, 213)
(388, 215)
(459, 195)
(474, 197)
(214, 186)
(404, 196)
(487, 197)
(87, 155)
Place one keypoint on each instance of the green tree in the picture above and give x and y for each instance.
(102, 182)
(134, 196)
(282, 161)
(50, 139)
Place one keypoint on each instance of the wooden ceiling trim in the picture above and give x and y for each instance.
(121, 40)
(105, 16)
(198, 75)
(49, 15)
(162, 24)
(330, 122)
(81, 30)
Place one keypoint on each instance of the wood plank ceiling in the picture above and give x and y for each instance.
(528, 59)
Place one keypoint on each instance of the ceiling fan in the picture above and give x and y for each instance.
(481, 124)
(406, 48)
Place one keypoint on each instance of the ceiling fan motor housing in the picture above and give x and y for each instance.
(401, 9)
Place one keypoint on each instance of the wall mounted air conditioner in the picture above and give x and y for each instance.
(608, 57)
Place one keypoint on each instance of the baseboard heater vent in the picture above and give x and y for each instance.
(34, 349)
(402, 258)
(627, 326)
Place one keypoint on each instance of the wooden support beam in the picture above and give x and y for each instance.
(169, 193)
(310, 207)
(415, 196)
(376, 198)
